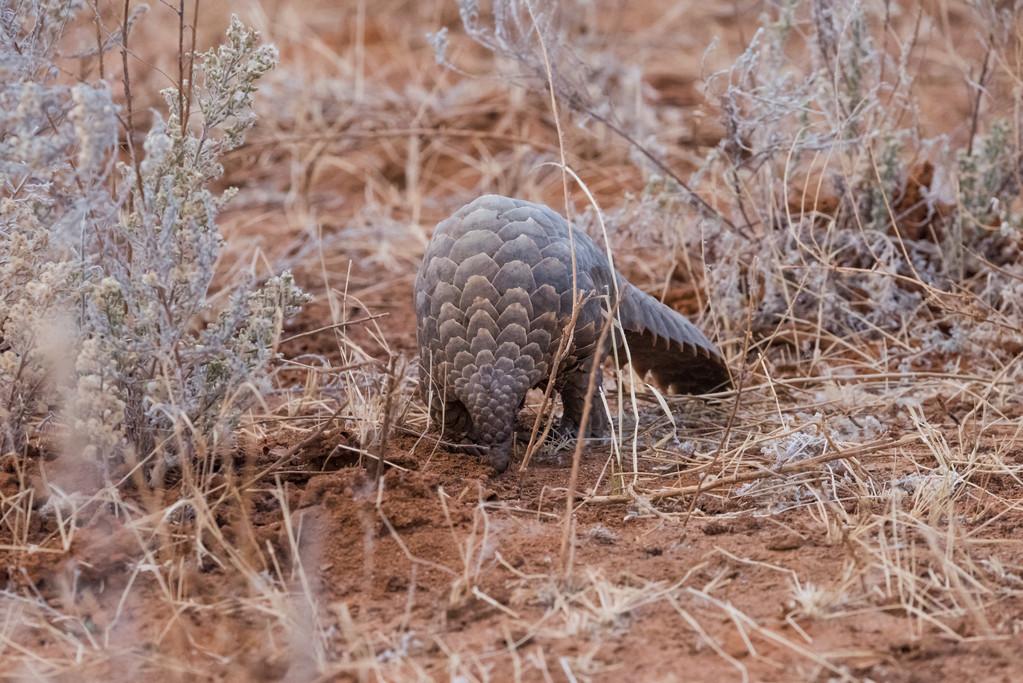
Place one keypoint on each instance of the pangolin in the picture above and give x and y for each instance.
(493, 297)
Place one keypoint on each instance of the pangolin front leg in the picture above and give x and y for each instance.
(573, 400)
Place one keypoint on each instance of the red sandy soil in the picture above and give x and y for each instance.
(388, 556)
(388, 576)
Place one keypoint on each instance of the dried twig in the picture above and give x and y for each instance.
(724, 482)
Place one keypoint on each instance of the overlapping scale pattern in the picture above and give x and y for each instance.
(493, 297)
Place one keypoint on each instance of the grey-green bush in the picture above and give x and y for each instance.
(106, 266)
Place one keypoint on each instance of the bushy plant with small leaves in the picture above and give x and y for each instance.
(109, 263)
(817, 223)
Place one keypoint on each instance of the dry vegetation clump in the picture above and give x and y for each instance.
(108, 261)
(206, 473)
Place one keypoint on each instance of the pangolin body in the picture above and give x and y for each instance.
(493, 297)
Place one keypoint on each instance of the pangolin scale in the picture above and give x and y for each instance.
(493, 296)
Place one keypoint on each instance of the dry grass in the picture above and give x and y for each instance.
(850, 512)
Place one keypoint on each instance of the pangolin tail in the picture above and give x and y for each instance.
(493, 398)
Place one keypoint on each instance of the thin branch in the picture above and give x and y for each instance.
(724, 482)
(126, 78)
